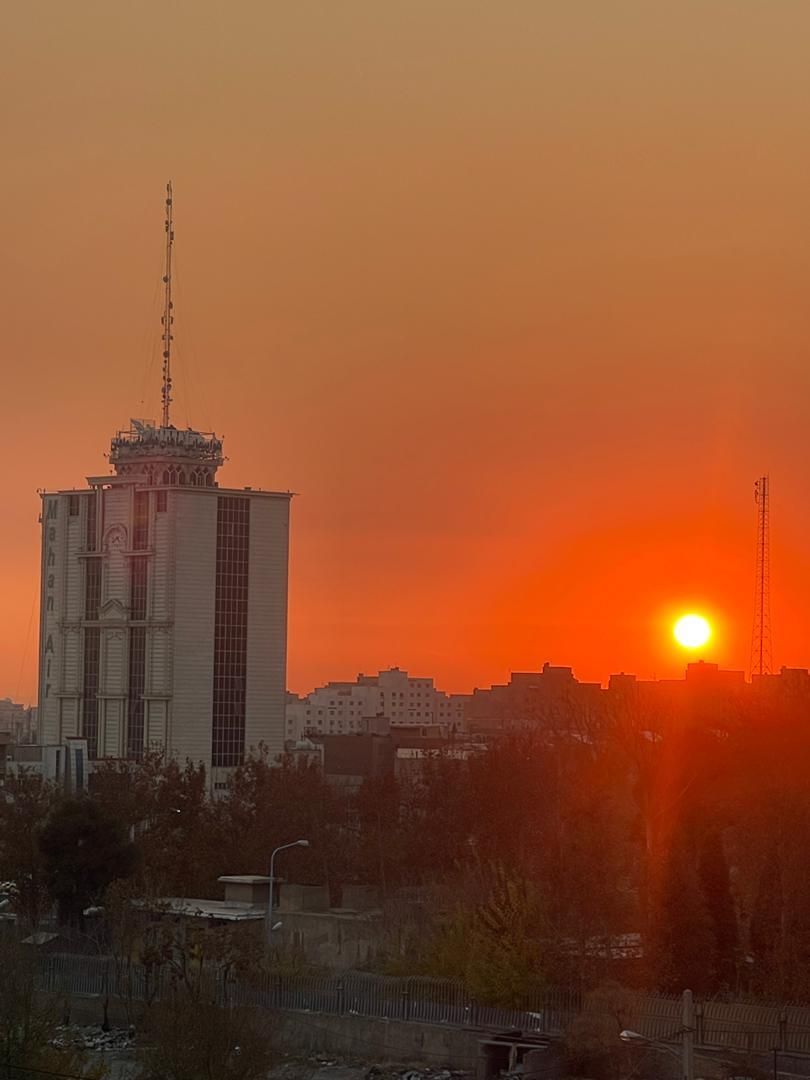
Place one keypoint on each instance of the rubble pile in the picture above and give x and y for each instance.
(93, 1037)
(423, 1072)
(321, 1067)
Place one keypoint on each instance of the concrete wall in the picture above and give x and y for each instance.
(331, 939)
(383, 1041)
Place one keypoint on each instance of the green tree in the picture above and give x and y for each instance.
(494, 940)
(28, 1021)
(766, 934)
(271, 803)
(190, 1039)
(84, 850)
(715, 883)
(682, 942)
(166, 807)
(25, 802)
(592, 1044)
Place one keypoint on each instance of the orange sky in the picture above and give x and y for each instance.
(516, 295)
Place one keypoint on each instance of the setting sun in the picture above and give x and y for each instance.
(692, 631)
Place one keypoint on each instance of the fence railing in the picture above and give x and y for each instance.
(734, 1025)
(435, 1001)
(744, 1026)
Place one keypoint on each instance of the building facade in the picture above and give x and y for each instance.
(343, 708)
(164, 606)
(65, 765)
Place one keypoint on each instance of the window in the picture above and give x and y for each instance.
(73, 505)
(79, 768)
(161, 499)
(230, 630)
(92, 588)
(137, 685)
(90, 687)
(140, 521)
(138, 571)
(90, 523)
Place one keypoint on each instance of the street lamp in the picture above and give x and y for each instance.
(283, 847)
(636, 1037)
(686, 1055)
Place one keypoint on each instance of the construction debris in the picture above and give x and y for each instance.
(93, 1037)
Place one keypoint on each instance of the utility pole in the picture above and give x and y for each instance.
(761, 648)
(688, 1037)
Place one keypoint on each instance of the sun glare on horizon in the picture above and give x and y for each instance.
(692, 631)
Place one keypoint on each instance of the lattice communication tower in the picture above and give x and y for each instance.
(761, 647)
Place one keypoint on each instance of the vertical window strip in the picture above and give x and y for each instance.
(90, 683)
(230, 631)
(137, 686)
(92, 588)
(138, 571)
(140, 522)
(90, 522)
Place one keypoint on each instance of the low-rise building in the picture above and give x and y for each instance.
(65, 764)
(348, 761)
(306, 926)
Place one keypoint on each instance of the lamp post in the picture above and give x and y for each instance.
(652, 1044)
(686, 1054)
(283, 847)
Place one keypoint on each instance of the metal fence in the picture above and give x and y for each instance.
(434, 1001)
(737, 1025)
(734, 1025)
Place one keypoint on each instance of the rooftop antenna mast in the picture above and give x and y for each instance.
(761, 648)
(167, 318)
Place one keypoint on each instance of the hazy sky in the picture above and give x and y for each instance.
(515, 295)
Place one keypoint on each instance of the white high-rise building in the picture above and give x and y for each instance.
(164, 599)
(164, 606)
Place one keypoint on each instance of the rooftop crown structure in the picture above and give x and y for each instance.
(164, 600)
(166, 454)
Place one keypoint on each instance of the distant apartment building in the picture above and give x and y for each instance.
(555, 702)
(18, 720)
(164, 606)
(342, 708)
(5, 744)
(551, 697)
